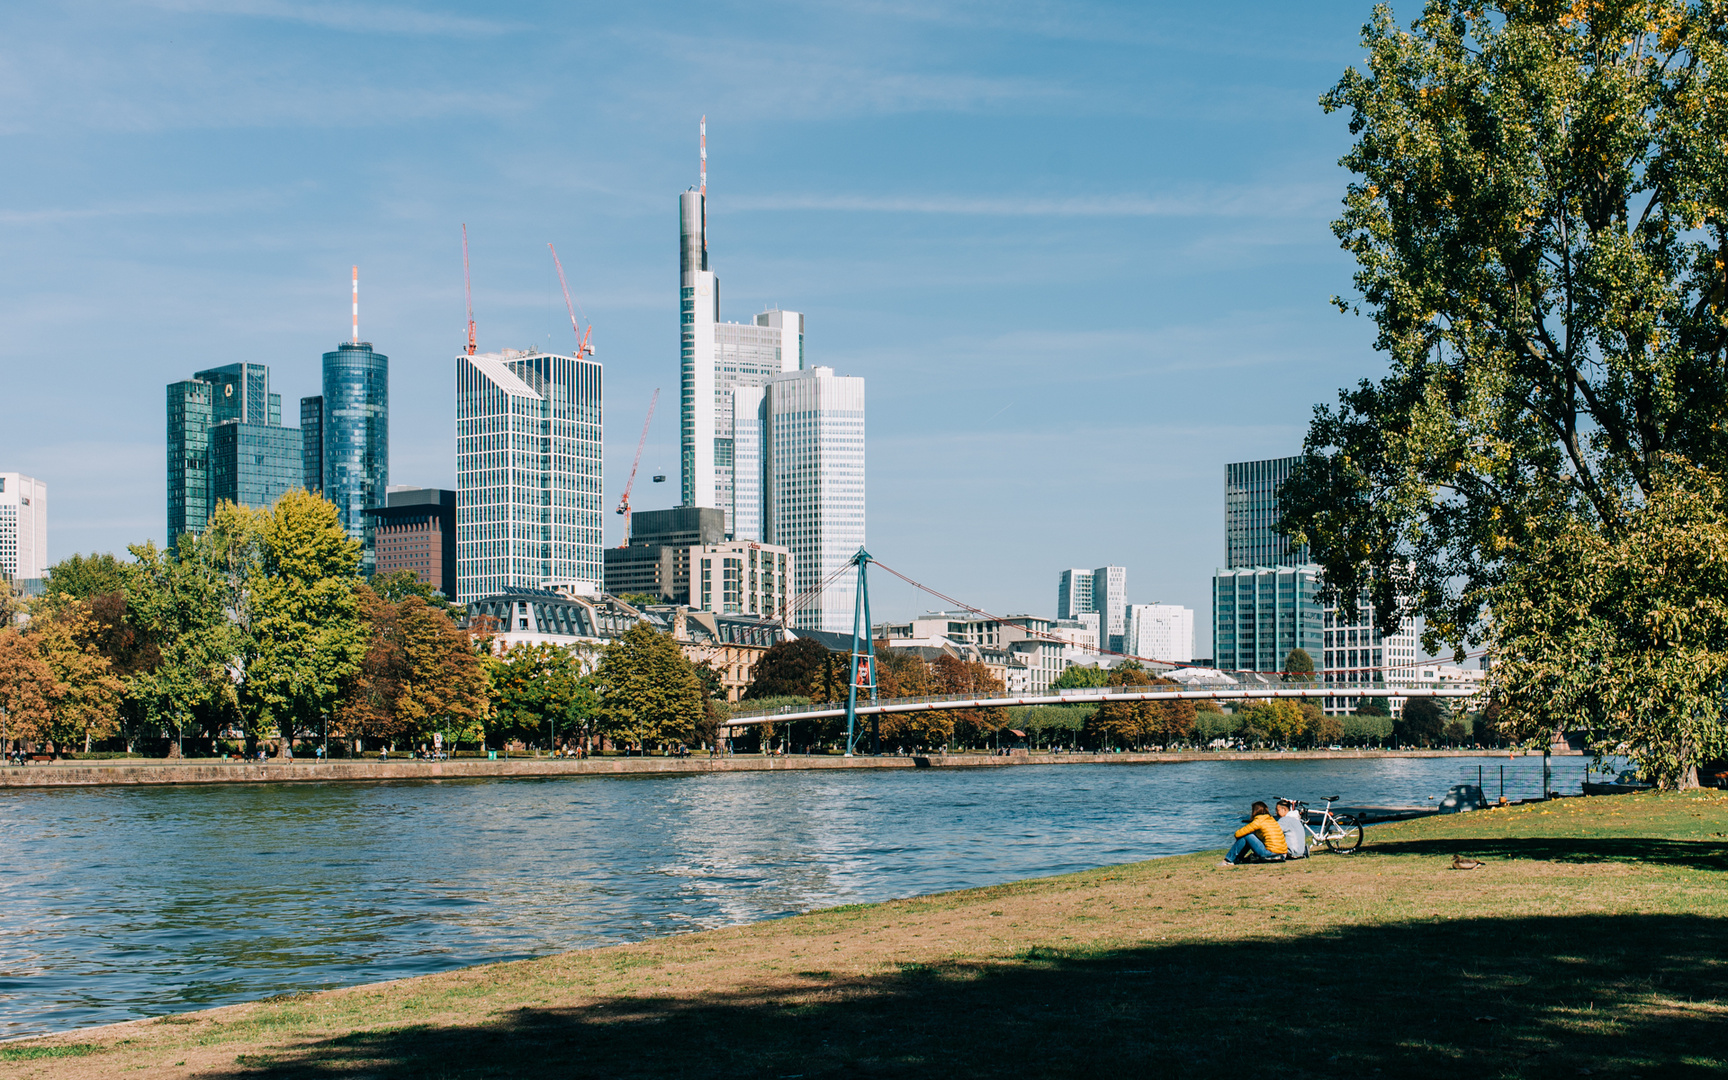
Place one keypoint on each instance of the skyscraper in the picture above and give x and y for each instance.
(226, 442)
(1251, 510)
(718, 361)
(23, 527)
(813, 489)
(1160, 632)
(355, 438)
(528, 471)
(312, 443)
(1103, 590)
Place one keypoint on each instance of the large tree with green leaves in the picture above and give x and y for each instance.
(307, 634)
(178, 601)
(1540, 222)
(648, 690)
(542, 692)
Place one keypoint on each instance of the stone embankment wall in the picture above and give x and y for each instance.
(85, 773)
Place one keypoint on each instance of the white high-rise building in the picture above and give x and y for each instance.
(528, 471)
(812, 453)
(722, 368)
(23, 527)
(1105, 591)
(1160, 632)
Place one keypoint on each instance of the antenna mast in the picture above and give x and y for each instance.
(582, 346)
(467, 289)
(704, 130)
(356, 338)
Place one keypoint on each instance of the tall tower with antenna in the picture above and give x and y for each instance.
(346, 432)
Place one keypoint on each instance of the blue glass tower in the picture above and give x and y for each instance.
(356, 430)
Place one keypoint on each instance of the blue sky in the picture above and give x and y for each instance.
(1080, 251)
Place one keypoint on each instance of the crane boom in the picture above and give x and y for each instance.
(624, 503)
(467, 289)
(582, 345)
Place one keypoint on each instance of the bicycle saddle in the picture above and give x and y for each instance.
(1333, 798)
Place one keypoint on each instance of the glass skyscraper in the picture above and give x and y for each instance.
(812, 425)
(312, 443)
(226, 442)
(722, 368)
(528, 471)
(1251, 509)
(1260, 613)
(355, 423)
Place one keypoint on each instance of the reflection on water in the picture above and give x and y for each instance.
(127, 902)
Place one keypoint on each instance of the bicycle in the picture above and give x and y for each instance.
(1341, 833)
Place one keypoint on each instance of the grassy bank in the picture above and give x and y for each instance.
(1591, 937)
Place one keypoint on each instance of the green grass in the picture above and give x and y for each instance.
(1590, 938)
(34, 1052)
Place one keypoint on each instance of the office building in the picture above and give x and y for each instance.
(1357, 654)
(1027, 648)
(415, 530)
(1160, 632)
(741, 577)
(528, 471)
(682, 556)
(812, 452)
(1103, 590)
(23, 528)
(717, 361)
(1260, 613)
(225, 441)
(355, 437)
(253, 464)
(312, 443)
(1251, 510)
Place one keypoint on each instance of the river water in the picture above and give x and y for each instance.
(124, 902)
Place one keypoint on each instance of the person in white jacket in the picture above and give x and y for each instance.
(1295, 836)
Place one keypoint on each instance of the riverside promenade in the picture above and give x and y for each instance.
(134, 771)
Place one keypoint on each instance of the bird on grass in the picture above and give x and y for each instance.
(1459, 862)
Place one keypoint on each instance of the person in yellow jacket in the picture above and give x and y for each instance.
(1262, 835)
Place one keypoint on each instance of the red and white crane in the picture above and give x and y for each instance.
(467, 289)
(624, 503)
(583, 348)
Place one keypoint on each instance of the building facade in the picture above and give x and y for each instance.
(655, 561)
(23, 528)
(1251, 510)
(719, 362)
(813, 487)
(312, 443)
(528, 471)
(741, 577)
(1260, 613)
(1104, 591)
(1357, 654)
(1160, 632)
(355, 438)
(415, 530)
(225, 441)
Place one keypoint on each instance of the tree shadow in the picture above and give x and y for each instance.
(1696, 854)
(1508, 997)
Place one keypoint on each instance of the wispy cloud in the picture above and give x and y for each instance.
(1256, 201)
(355, 18)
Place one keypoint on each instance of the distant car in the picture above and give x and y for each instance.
(1334, 746)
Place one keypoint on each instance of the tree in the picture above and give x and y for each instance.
(1125, 722)
(1540, 224)
(398, 585)
(1625, 637)
(178, 601)
(1277, 720)
(952, 675)
(788, 668)
(81, 577)
(648, 690)
(1298, 667)
(28, 690)
(419, 676)
(1422, 723)
(85, 703)
(11, 604)
(541, 692)
(307, 633)
(1077, 676)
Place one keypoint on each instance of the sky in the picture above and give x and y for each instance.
(1080, 252)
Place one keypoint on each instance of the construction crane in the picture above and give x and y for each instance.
(624, 503)
(583, 348)
(467, 289)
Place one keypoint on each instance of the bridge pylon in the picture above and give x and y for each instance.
(862, 669)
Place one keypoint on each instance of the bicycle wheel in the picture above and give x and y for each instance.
(1344, 835)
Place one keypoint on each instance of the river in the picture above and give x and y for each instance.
(124, 902)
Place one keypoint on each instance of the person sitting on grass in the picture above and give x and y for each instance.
(1261, 835)
(1295, 837)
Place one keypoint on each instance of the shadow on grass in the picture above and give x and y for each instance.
(1524, 997)
(1697, 854)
